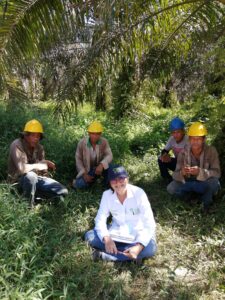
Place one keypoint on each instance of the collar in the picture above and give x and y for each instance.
(89, 145)
(26, 146)
(202, 155)
(130, 193)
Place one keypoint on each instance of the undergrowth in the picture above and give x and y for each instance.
(42, 252)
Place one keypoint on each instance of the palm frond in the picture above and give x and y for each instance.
(70, 43)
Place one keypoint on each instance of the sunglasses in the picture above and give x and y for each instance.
(117, 180)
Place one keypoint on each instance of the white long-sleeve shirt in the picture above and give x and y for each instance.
(135, 214)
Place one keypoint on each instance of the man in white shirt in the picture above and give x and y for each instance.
(131, 235)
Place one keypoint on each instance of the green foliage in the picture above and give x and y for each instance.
(122, 91)
(42, 257)
(146, 55)
(12, 122)
(57, 47)
(42, 252)
(215, 78)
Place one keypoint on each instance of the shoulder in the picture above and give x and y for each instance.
(108, 193)
(107, 196)
(16, 144)
(170, 140)
(135, 190)
(186, 148)
(83, 141)
(210, 149)
(139, 196)
(104, 141)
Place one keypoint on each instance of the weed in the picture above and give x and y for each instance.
(42, 252)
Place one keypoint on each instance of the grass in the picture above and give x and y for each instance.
(42, 252)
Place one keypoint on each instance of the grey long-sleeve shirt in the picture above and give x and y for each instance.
(208, 163)
(22, 160)
(83, 155)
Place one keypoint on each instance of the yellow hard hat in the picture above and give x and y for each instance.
(95, 127)
(33, 126)
(197, 129)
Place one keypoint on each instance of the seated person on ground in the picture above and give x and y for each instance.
(198, 168)
(93, 156)
(176, 143)
(131, 235)
(28, 167)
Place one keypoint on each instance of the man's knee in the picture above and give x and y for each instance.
(172, 187)
(80, 183)
(28, 181)
(31, 177)
(51, 186)
(162, 164)
(62, 191)
(159, 161)
(213, 185)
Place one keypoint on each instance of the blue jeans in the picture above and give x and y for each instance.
(33, 185)
(93, 240)
(164, 167)
(80, 182)
(206, 189)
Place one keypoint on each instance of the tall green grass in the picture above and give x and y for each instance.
(42, 252)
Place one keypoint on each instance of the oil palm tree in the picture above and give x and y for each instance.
(73, 46)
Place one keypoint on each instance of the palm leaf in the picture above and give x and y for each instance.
(102, 35)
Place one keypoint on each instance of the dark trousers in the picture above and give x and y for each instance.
(164, 167)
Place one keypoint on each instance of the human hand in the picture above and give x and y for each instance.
(165, 158)
(99, 169)
(187, 170)
(133, 251)
(50, 164)
(194, 170)
(88, 178)
(110, 245)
